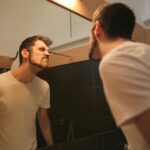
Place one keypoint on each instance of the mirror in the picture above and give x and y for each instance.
(74, 86)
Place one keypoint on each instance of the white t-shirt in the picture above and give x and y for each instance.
(125, 72)
(19, 104)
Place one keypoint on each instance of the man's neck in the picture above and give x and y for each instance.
(24, 74)
(107, 46)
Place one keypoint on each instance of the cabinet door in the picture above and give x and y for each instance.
(80, 27)
(31, 17)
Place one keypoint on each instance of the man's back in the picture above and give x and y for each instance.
(125, 72)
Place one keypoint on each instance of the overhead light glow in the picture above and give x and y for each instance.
(67, 2)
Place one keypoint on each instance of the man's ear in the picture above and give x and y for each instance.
(25, 53)
(97, 29)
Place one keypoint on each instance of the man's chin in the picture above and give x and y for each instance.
(40, 66)
(93, 55)
(43, 66)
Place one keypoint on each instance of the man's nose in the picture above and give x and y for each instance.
(47, 52)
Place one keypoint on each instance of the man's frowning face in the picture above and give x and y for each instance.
(39, 54)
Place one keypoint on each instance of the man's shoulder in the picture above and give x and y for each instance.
(4, 74)
(41, 81)
(128, 50)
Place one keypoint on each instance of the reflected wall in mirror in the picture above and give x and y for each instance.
(23, 18)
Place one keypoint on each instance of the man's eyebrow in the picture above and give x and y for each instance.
(43, 48)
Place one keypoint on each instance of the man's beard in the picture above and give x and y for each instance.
(91, 54)
(37, 65)
(94, 52)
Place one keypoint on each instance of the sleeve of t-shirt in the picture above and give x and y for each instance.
(126, 82)
(45, 103)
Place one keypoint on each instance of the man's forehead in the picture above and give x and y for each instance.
(40, 43)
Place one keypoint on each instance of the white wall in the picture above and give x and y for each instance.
(23, 18)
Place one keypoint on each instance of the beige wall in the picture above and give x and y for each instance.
(5, 62)
(141, 35)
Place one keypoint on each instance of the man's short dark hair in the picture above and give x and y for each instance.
(29, 42)
(117, 20)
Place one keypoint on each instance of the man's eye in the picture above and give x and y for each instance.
(42, 49)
